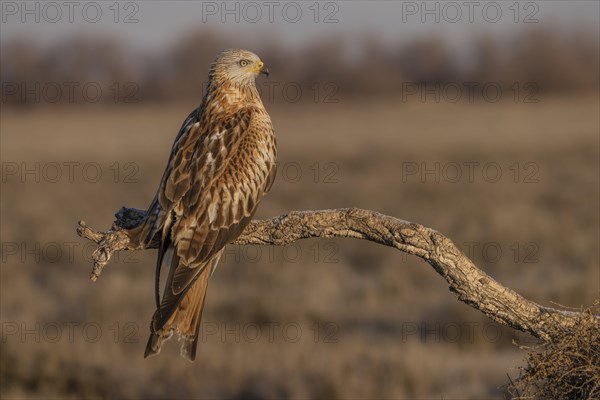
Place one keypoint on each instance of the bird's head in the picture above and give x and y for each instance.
(238, 67)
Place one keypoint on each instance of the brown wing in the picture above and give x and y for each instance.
(179, 159)
(215, 196)
(175, 183)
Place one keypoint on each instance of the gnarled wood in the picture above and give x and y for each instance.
(471, 285)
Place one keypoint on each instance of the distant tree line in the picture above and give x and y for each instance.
(91, 69)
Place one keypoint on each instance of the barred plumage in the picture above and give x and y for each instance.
(221, 164)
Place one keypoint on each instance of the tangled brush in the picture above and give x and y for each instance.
(567, 367)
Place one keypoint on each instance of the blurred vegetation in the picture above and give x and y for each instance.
(553, 61)
(567, 368)
(399, 332)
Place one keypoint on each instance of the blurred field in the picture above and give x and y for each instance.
(365, 300)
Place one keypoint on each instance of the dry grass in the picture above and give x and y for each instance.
(567, 368)
(370, 294)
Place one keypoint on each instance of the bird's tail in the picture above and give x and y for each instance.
(185, 320)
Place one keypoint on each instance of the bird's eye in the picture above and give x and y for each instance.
(243, 63)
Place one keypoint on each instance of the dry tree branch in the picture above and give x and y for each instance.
(469, 283)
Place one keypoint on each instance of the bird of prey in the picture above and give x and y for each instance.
(221, 164)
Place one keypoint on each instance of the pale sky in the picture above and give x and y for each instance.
(155, 24)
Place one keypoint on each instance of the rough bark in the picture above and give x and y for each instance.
(469, 283)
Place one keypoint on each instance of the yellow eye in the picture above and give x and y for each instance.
(243, 63)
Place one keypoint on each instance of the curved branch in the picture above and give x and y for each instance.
(469, 283)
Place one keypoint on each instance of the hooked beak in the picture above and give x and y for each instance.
(263, 69)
